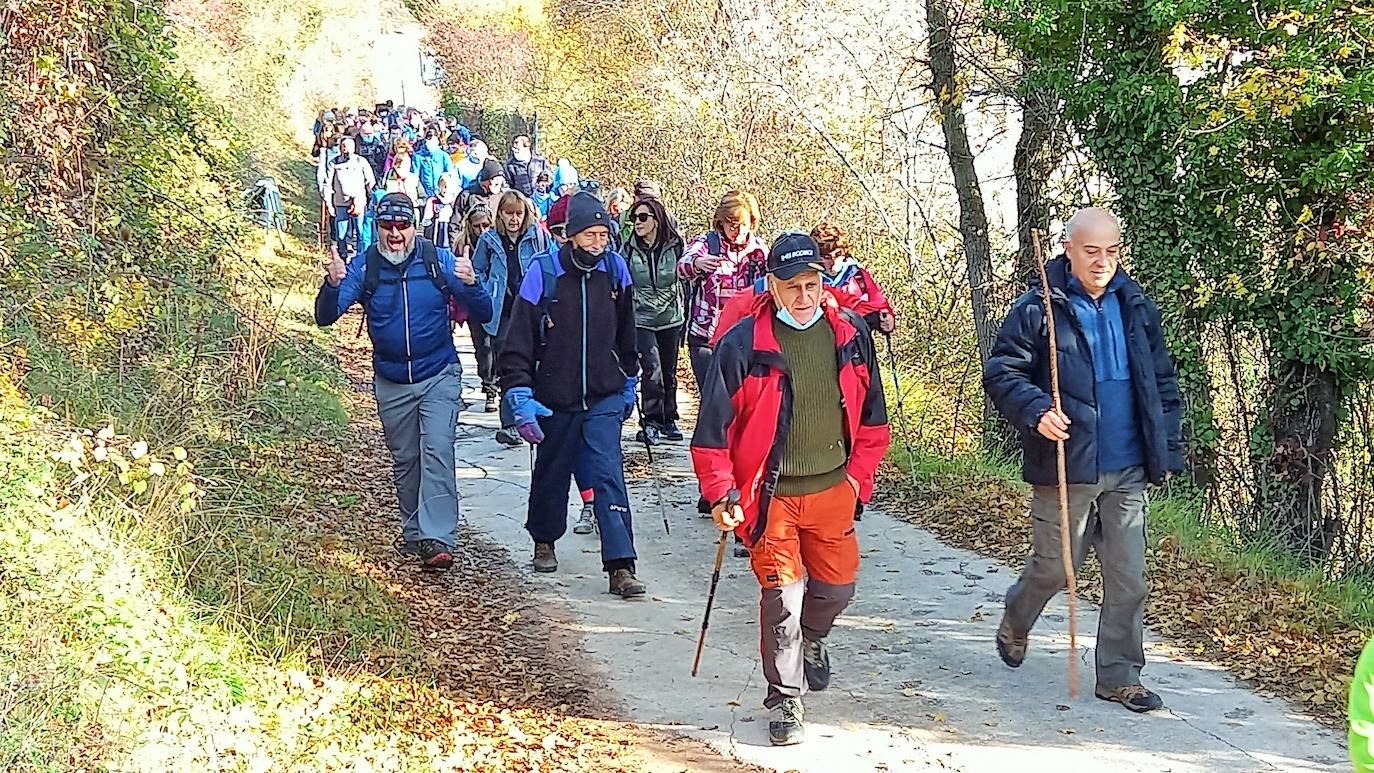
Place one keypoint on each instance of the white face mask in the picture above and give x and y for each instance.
(522, 154)
(432, 145)
(787, 319)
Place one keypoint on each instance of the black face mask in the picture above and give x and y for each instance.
(585, 260)
(343, 158)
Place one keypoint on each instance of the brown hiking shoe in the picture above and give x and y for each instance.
(1133, 696)
(1010, 647)
(625, 585)
(544, 559)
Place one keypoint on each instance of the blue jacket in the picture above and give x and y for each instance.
(573, 343)
(430, 166)
(1017, 380)
(489, 261)
(407, 318)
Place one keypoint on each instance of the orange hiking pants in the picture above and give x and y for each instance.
(812, 533)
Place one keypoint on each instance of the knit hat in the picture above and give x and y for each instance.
(558, 212)
(792, 253)
(396, 206)
(586, 211)
(490, 168)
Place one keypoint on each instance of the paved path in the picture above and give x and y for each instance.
(917, 684)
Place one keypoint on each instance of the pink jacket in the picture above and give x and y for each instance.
(738, 269)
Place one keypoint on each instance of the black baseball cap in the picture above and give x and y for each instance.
(792, 253)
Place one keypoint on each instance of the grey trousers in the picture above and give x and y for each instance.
(803, 609)
(1110, 517)
(418, 421)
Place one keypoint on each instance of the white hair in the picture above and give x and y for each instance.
(1085, 215)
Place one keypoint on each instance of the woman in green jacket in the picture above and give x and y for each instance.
(652, 252)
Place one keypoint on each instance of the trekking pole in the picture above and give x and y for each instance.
(901, 413)
(1065, 541)
(658, 485)
(731, 500)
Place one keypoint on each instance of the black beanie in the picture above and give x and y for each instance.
(586, 211)
(491, 168)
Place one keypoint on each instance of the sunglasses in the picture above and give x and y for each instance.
(641, 217)
(558, 230)
(394, 225)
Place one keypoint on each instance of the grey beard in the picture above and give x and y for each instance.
(394, 257)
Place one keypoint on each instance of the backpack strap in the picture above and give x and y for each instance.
(430, 255)
(372, 278)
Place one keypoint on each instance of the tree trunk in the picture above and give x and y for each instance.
(973, 219)
(1303, 412)
(1039, 150)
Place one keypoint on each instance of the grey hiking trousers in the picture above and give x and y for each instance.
(1109, 516)
(418, 420)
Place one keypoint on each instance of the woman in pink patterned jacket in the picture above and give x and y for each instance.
(717, 265)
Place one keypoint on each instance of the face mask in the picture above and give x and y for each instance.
(343, 158)
(585, 260)
(522, 154)
(432, 145)
(787, 319)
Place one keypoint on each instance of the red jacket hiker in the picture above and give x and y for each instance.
(745, 410)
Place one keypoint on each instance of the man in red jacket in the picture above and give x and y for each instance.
(792, 417)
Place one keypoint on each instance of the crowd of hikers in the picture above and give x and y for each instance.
(578, 299)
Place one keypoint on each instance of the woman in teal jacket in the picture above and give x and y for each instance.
(502, 256)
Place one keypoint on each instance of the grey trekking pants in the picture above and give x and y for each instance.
(418, 420)
(1109, 516)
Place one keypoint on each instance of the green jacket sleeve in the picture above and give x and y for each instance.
(1362, 712)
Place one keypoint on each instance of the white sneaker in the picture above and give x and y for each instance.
(586, 520)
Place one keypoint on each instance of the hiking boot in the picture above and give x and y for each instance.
(406, 548)
(703, 507)
(544, 559)
(625, 585)
(785, 723)
(1133, 696)
(671, 432)
(586, 520)
(435, 555)
(1010, 647)
(648, 435)
(740, 550)
(490, 405)
(508, 436)
(816, 664)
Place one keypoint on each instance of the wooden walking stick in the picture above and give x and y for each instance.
(731, 500)
(1065, 540)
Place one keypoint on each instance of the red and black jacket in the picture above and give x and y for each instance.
(746, 410)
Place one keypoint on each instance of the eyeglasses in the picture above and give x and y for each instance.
(394, 225)
(641, 217)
